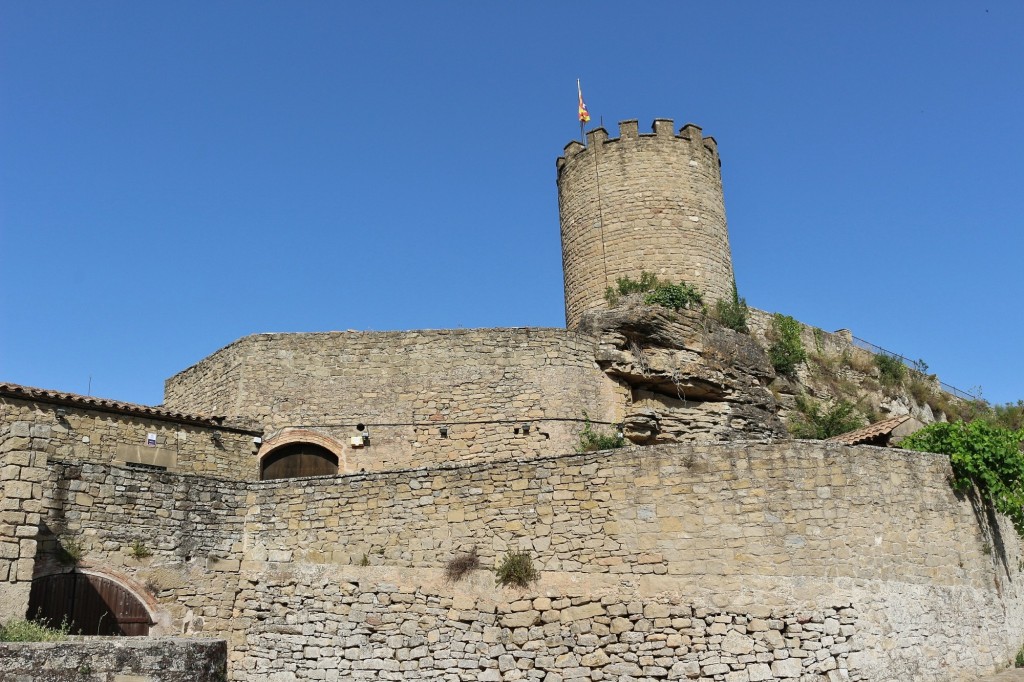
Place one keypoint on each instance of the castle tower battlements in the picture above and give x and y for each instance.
(642, 202)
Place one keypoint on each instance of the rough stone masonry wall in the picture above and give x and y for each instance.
(99, 436)
(31, 432)
(357, 624)
(107, 659)
(748, 531)
(481, 384)
(191, 526)
(22, 471)
(649, 202)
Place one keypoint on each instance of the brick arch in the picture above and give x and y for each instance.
(159, 619)
(300, 436)
(297, 453)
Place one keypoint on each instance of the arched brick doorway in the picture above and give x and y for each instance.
(89, 603)
(298, 459)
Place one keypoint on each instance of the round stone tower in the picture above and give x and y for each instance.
(650, 202)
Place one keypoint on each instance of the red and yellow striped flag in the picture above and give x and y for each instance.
(584, 114)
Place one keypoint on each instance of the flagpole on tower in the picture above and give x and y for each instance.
(583, 113)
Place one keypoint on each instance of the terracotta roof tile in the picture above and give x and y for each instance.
(107, 405)
(869, 432)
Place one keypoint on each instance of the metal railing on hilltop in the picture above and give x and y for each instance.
(878, 350)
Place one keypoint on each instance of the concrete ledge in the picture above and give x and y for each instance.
(115, 659)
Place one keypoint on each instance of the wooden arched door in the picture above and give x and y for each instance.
(295, 460)
(89, 604)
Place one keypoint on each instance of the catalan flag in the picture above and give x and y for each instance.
(584, 114)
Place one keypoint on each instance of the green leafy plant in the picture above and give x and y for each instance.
(70, 551)
(1018, 662)
(365, 561)
(658, 292)
(983, 455)
(732, 314)
(460, 566)
(675, 296)
(139, 550)
(787, 350)
(624, 286)
(591, 440)
(817, 421)
(516, 570)
(21, 630)
(891, 371)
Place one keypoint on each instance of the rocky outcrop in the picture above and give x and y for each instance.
(690, 379)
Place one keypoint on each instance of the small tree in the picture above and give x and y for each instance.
(787, 350)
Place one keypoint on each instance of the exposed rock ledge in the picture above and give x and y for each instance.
(690, 378)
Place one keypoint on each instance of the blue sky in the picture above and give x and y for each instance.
(178, 175)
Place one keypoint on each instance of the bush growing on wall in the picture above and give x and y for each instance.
(983, 455)
(20, 630)
(787, 350)
(516, 570)
(817, 422)
(591, 440)
(891, 371)
(658, 292)
(732, 314)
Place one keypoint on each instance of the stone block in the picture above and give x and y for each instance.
(789, 667)
(522, 619)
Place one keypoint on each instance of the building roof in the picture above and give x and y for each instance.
(871, 432)
(115, 406)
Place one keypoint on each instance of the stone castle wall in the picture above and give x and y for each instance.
(483, 385)
(649, 202)
(32, 431)
(348, 571)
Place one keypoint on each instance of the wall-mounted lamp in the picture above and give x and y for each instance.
(443, 431)
(526, 429)
(215, 436)
(619, 428)
(365, 430)
(61, 413)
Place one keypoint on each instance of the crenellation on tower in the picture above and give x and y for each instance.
(642, 202)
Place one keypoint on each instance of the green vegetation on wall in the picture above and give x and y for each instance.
(818, 421)
(20, 630)
(891, 371)
(516, 570)
(983, 455)
(732, 314)
(787, 350)
(658, 292)
(591, 440)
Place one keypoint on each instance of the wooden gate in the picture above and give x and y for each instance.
(90, 604)
(295, 460)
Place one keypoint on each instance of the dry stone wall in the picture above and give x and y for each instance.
(372, 625)
(330, 569)
(481, 384)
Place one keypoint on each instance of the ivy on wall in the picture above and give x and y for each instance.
(983, 455)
